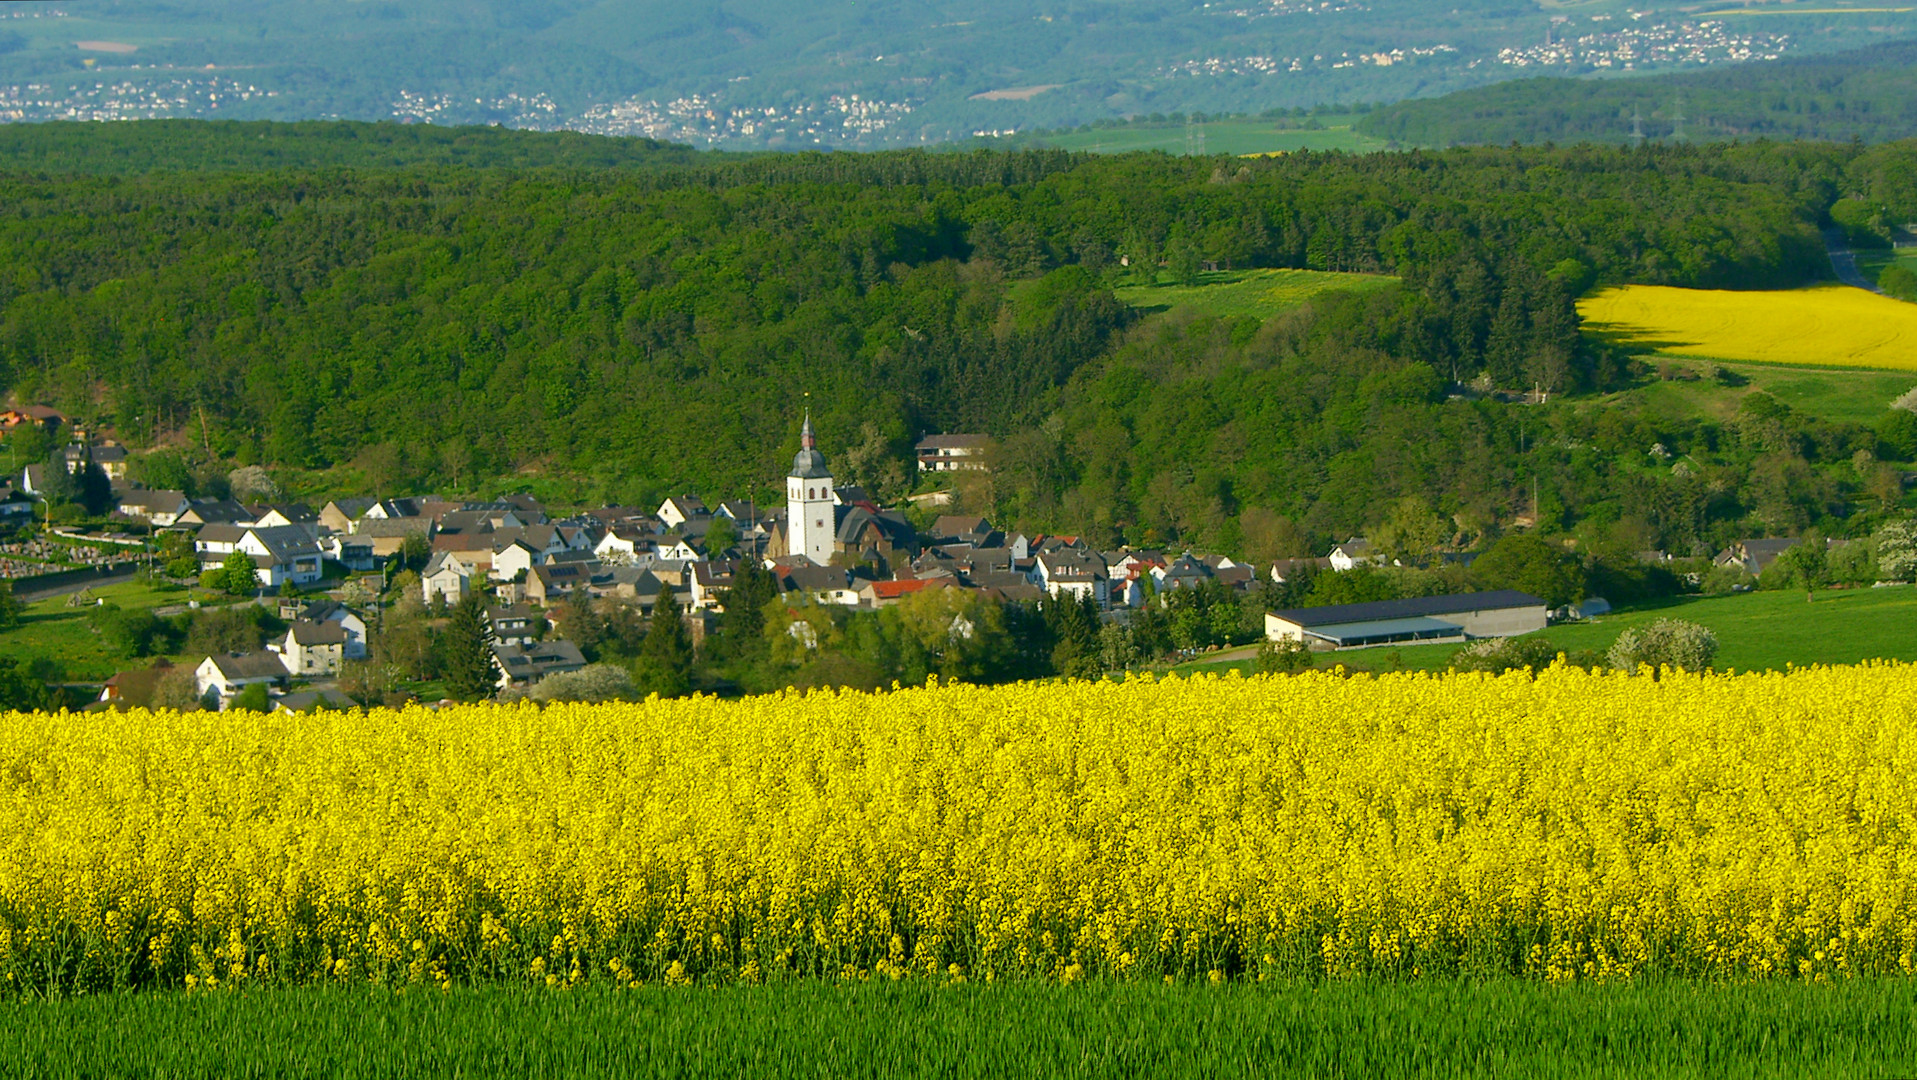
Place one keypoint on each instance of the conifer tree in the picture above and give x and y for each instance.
(468, 649)
(665, 657)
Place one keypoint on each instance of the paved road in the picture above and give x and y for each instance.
(1844, 262)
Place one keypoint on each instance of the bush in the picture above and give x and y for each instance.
(594, 682)
(1896, 543)
(1671, 643)
(1499, 655)
(1284, 657)
(1723, 580)
(1897, 280)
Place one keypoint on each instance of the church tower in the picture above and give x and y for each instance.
(809, 511)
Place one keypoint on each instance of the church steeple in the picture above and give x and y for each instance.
(808, 463)
(811, 513)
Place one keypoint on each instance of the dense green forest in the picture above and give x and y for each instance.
(229, 146)
(1868, 94)
(637, 332)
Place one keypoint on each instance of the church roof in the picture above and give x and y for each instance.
(808, 463)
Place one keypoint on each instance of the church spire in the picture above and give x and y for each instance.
(808, 462)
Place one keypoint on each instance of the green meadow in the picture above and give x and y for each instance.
(1246, 135)
(1257, 293)
(1755, 631)
(1373, 1029)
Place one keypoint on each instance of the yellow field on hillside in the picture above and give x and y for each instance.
(1825, 325)
(1582, 825)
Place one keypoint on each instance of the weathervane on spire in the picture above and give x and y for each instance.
(806, 439)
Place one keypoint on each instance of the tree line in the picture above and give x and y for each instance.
(644, 332)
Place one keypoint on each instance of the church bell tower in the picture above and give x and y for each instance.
(809, 509)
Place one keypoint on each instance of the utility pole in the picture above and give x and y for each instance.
(1677, 130)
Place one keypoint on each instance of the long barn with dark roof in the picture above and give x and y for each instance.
(1458, 617)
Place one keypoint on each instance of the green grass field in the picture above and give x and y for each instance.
(1856, 395)
(1873, 263)
(52, 628)
(1240, 136)
(1755, 631)
(1374, 1030)
(1257, 293)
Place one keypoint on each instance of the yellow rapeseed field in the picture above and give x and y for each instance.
(1825, 325)
(1581, 825)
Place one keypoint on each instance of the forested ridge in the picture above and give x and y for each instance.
(1868, 94)
(654, 330)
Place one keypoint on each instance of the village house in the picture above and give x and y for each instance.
(710, 580)
(273, 515)
(1352, 554)
(213, 512)
(388, 535)
(522, 667)
(949, 453)
(159, 509)
(1755, 556)
(348, 620)
(307, 700)
(819, 584)
(549, 584)
(340, 515)
(515, 557)
(1069, 574)
(878, 594)
(623, 544)
(312, 650)
(679, 509)
(110, 457)
(230, 673)
(447, 578)
(513, 624)
(351, 552)
(280, 553)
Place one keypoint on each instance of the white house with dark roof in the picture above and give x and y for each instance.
(229, 673)
(159, 509)
(312, 650)
(1352, 554)
(679, 509)
(349, 622)
(1070, 574)
(447, 577)
(949, 453)
(280, 553)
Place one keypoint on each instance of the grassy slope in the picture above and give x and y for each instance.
(1238, 136)
(1368, 1029)
(52, 628)
(1755, 631)
(1832, 393)
(1257, 293)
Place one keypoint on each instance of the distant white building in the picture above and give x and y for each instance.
(950, 453)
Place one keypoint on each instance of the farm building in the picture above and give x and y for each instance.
(1459, 617)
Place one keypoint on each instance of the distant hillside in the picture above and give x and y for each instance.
(224, 146)
(841, 74)
(1868, 94)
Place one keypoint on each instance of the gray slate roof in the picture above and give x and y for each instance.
(1417, 607)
